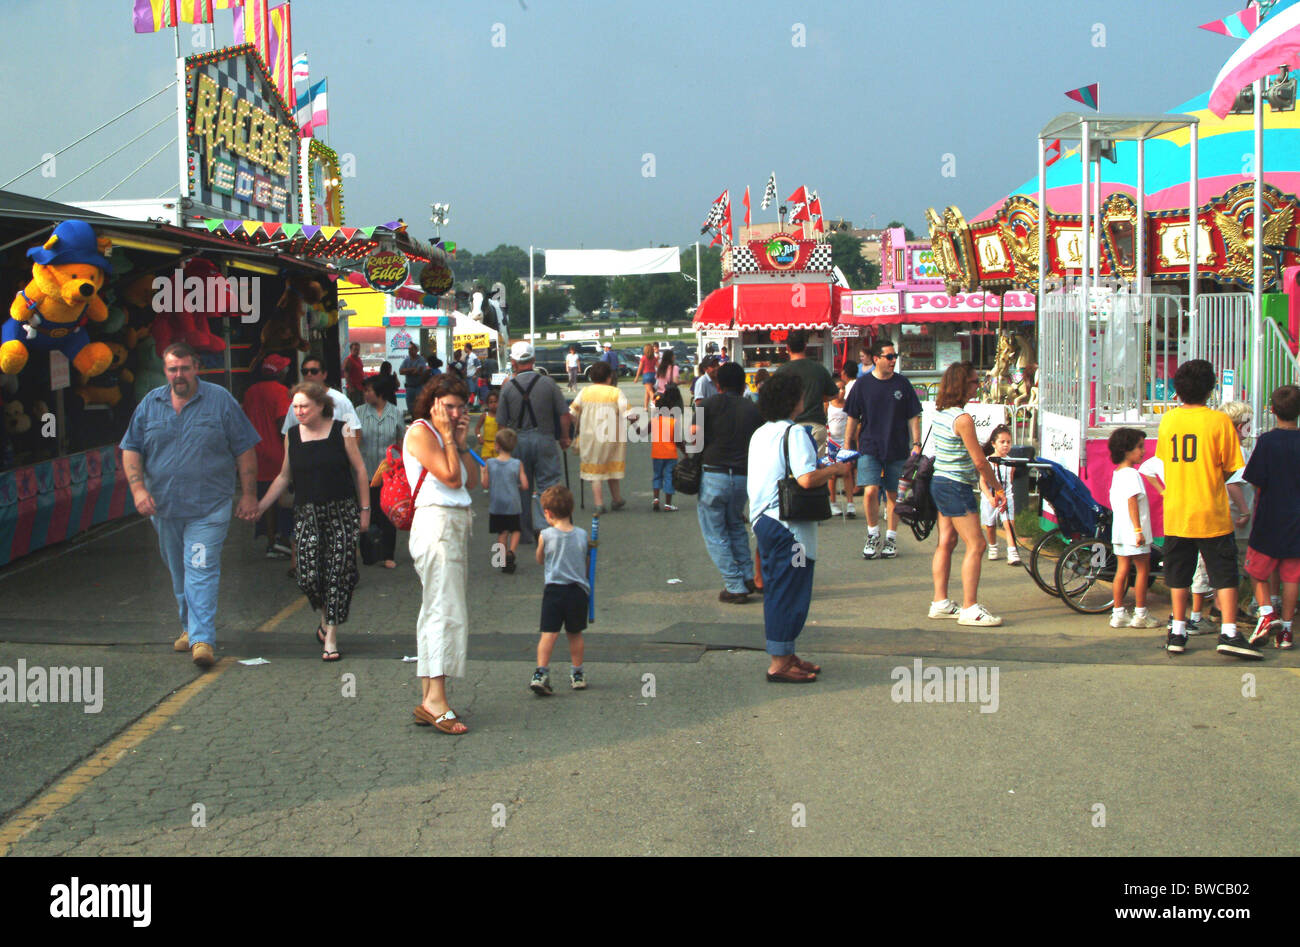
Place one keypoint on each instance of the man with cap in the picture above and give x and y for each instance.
(531, 403)
(610, 357)
(706, 386)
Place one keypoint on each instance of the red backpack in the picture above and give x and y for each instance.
(395, 496)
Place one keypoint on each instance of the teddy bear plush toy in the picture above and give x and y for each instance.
(106, 387)
(51, 313)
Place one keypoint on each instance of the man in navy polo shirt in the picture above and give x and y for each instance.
(180, 453)
(884, 408)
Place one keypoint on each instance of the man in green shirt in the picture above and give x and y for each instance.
(818, 386)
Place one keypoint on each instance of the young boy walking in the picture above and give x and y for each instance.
(1199, 449)
(563, 549)
(1274, 472)
(1131, 529)
(503, 478)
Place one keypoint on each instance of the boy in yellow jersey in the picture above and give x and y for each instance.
(1199, 449)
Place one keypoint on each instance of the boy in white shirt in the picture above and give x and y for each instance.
(1131, 527)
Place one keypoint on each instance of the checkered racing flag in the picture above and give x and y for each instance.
(769, 192)
(717, 213)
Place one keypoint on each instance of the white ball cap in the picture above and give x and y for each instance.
(522, 352)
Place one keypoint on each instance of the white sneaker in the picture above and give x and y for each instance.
(1013, 557)
(1120, 619)
(978, 615)
(1143, 621)
(872, 546)
(993, 553)
(945, 609)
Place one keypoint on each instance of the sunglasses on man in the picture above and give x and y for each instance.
(892, 356)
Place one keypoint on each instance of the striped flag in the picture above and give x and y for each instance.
(226, 4)
(195, 11)
(252, 25)
(150, 16)
(281, 61)
(311, 109)
(1086, 95)
(1239, 25)
(769, 192)
(300, 68)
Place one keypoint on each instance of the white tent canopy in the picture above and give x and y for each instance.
(613, 262)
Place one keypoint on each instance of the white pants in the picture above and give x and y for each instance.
(439, 545)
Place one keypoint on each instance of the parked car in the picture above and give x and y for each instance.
(550, 361)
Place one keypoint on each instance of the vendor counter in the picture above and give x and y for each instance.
(57, 499)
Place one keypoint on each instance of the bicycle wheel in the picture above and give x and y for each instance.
(1084, 576)
(1042, 561)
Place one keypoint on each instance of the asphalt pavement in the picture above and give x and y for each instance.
(1078, 739)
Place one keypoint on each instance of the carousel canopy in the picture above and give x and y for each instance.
(1221, 144)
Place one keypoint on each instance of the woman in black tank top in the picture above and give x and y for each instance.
(328, 476)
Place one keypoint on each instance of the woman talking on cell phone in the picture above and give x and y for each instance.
(435, 445)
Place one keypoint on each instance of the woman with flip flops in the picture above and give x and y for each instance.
(330, 489)
(435, 453)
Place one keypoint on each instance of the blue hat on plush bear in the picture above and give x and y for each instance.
(73, 242)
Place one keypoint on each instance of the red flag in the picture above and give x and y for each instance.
(800, 196)
(815, 205)
(746, 203)
(1052, 153)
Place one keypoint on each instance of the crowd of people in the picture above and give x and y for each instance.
(312, 464)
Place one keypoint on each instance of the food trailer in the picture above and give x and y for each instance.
(770, 286)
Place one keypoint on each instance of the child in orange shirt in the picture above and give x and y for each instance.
(664, 445)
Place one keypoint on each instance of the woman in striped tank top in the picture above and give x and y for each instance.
(959, 464)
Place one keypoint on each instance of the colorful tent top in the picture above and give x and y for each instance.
(1225, 145)
(320, 240)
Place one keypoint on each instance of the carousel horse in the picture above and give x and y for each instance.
(1012, 379)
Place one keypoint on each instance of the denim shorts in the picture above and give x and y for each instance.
(648, 378)
(952, 497)
(871, 472)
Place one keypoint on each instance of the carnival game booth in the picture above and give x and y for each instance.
(771, 286)
(63, 418)
(932, 328)
(1147, 288)
(1114, 323)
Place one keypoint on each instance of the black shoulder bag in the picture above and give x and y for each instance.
(798, 504)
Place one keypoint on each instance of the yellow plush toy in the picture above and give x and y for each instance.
(52, 311)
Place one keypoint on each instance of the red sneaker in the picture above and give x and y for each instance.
(1264, 627)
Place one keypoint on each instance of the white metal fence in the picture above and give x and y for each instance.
(1278, 366)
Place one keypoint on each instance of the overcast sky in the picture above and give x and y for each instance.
(615, 123)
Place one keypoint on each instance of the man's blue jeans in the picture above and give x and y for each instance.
(192, 550)
(721, 509)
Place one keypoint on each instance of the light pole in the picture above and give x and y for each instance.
(440, 216)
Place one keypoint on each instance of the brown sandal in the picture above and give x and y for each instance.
(806, 666)
(791, 675)
(447, 723)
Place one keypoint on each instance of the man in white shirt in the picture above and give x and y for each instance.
(313, 369)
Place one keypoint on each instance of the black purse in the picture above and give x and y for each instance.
(686, 475)
(796, 504)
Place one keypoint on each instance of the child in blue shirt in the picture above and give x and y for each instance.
(564, 550)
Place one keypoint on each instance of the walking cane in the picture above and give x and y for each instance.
(591, 571)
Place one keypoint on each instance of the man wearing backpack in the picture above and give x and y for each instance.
(532, 404)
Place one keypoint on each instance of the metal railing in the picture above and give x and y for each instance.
(1278, 366)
